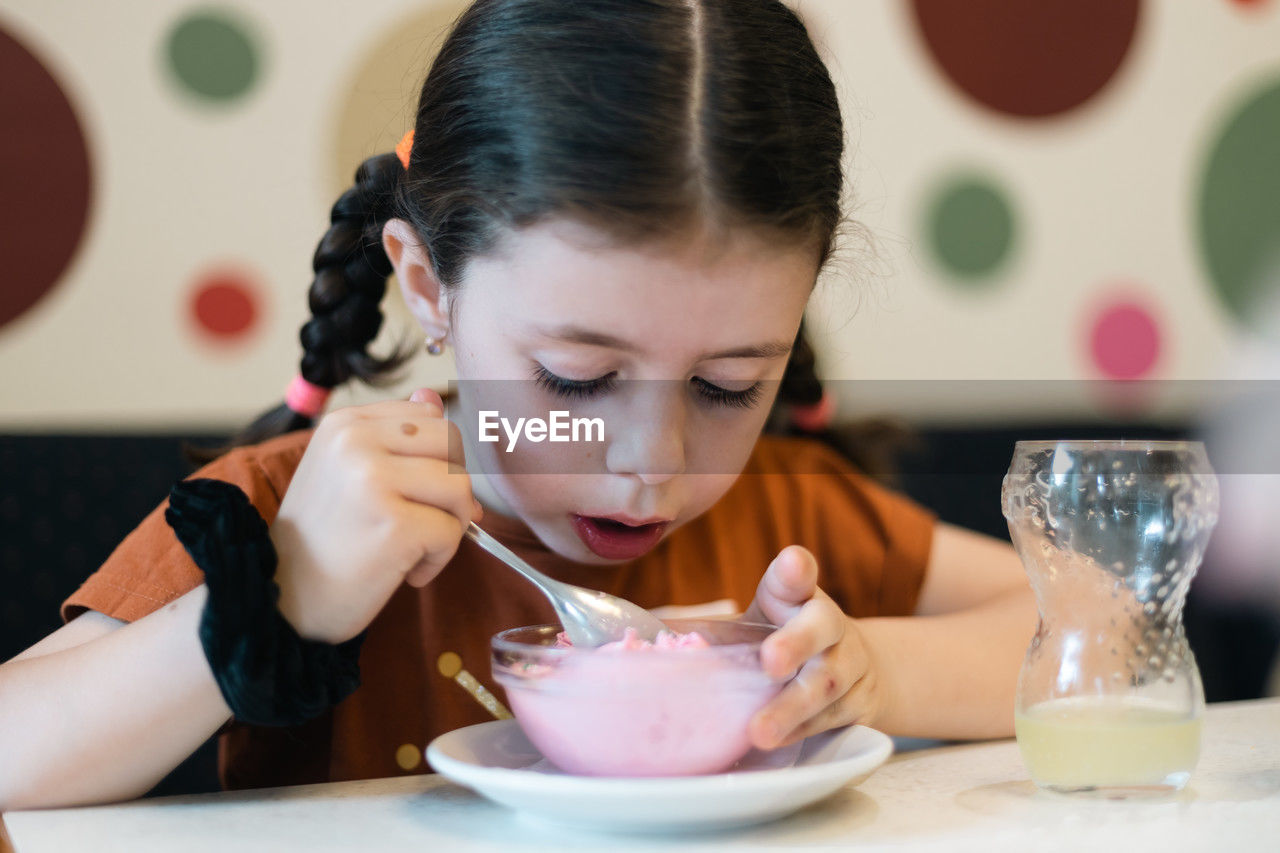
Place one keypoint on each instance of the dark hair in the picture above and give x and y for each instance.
(641, 117)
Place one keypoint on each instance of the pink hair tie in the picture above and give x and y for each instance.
(404, 148)
(815, 417)
(305, 398)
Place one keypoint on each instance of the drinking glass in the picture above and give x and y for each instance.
(1110, 533)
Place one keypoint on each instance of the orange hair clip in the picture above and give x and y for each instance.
(403, 147)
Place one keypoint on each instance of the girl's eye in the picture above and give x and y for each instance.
(573, 389)
(585, 389)
(744, 399)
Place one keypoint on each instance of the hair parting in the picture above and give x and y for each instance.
(588, 110)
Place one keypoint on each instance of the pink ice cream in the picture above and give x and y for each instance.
(673, 707)
(633, 642)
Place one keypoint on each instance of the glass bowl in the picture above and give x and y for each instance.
(638, 712)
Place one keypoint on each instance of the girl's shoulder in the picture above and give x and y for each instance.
(150, 568)
(871, 542)
(812, 490)
(272, 461)
(282, 448)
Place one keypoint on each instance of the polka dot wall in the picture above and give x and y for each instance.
(1070, 189)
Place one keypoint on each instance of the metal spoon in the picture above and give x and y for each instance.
(590, 618)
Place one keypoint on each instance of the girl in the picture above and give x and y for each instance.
(596, 193)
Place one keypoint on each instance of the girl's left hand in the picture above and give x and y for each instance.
(835, 683)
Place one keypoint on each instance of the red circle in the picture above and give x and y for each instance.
(1125, 341)
(46, 178)
(225, 305)
(1028, 59)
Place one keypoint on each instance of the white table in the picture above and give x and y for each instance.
(956, 798)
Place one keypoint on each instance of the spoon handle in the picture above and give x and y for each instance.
(506, 555)
(589, 617)
(570, 619)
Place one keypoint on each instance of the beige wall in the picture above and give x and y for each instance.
(1103, 194)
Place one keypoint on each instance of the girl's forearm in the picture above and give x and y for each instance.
(952, 675)
(106, 720)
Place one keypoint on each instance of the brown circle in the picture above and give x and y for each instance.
(380, 101)
(408, 429)
(1029, 59)
(381, 96)
(45, 179)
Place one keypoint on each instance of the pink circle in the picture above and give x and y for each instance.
(1125, 341)
(224, 304)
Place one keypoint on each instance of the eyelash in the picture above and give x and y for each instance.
(585, 389)
(744, 399)
(573, 389)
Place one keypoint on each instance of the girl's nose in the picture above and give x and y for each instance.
(651, 445)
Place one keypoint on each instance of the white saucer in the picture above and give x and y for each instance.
(497, 760)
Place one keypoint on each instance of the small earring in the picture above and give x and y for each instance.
(434, 346)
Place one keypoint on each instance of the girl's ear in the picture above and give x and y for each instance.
(423, 294)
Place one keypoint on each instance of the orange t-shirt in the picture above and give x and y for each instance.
(871, 544)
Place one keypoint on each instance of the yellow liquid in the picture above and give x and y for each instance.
(1073, 744)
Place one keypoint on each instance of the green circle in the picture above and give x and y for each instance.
(1239, 207)
(213, 56)
(970, 228)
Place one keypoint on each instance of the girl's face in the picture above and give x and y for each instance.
(677, 348)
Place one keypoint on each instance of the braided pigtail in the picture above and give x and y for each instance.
(351, 271)
(802, 405)
(351, 278)
(800, 387)
(801, 400)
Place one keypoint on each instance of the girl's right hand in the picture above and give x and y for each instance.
(381, 497)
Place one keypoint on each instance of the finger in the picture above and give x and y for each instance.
(852, 708)
(437, 535)
(423, 573)
(430, 482)
(819, 683)
(818, 625)
(427, 395)
(433, 406)
(420, 575)
(415, 434)
(788, 583)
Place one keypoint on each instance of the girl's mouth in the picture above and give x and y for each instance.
(617, 540)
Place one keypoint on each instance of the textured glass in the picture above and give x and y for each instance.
(1110, 534)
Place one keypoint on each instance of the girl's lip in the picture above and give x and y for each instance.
(613, 538)
(628, 520)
